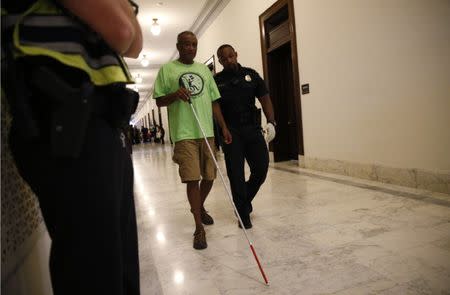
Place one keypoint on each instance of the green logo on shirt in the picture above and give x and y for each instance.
(192, 82)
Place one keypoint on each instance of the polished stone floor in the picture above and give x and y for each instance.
(314, 233)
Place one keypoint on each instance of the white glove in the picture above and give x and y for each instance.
(270, 132)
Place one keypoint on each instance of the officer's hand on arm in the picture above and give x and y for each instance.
(217, 112)
(114, 20)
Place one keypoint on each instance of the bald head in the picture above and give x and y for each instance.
(187, 47)
(183, 34)
(227, 57)
(221, 47)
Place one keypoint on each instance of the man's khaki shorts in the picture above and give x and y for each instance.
(194, 159)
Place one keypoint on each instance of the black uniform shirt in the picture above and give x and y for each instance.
(238, 91)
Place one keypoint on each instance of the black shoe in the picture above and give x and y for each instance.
(206, 218)
(246, 221)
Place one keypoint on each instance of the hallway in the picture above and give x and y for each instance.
(314, 233)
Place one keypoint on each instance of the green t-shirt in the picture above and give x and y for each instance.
(198, 79)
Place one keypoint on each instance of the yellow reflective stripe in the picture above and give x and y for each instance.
(100, 77)
(46, 6)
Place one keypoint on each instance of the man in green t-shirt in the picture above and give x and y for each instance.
(177, 83)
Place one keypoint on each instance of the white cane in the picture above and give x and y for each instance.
(229, 194)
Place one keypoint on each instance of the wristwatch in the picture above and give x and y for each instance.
(273, 123)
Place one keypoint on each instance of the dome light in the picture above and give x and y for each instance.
(145, 62)
(156, 28)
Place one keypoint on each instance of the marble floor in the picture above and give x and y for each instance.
(314, 233)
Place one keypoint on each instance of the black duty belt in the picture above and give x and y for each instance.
(242, 119)
(70, 108)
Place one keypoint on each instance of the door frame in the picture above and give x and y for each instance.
(266, 15)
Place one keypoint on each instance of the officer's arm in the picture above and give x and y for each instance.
(217, 112)
(267, 107)
(114, 20)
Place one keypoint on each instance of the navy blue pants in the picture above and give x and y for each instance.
(88, 208)
(248, 145)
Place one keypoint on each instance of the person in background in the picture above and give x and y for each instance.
(238, 88)
(137, 135)
(152, 131)
(160, 134)
(146, 136)
(157, 134)
(163, 134)
(65, 82)
(179, 83)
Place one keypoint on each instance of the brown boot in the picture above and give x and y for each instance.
(206, 218)
(200, 239)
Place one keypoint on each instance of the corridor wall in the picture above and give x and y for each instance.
(379, 72)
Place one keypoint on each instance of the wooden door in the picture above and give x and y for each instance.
(285, 145)
(280, 62)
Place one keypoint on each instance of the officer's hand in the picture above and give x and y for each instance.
(183, 94)
(227, 138)
(270, 132)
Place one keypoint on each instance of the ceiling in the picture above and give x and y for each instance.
(174, 16)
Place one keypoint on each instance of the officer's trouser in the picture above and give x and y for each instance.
(248, 144)
(88, 207)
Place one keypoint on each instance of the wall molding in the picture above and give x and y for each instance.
(435, 181)
(205, 18)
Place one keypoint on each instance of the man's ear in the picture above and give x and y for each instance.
(219, 60)
(236, 54)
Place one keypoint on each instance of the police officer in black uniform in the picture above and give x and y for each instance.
(238, 87)
(64, 79)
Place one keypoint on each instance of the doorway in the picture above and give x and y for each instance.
(279, 52)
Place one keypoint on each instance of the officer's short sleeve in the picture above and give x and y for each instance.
(261, 88)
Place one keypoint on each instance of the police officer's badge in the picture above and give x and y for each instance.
(192, 82)
(248, 78)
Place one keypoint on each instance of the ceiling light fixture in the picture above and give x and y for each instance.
(156, 28)
(145, 62)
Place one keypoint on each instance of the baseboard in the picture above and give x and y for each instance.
(436, 181)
